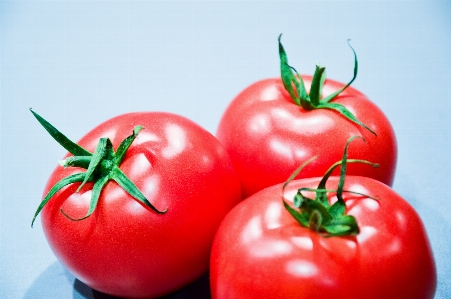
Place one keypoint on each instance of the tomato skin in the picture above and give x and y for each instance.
(267, 135)
(260, 251)
(126, 249)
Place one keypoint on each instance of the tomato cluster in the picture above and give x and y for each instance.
(147, 202)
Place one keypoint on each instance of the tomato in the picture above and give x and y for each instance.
(134, 250)
(261, 251)
(268, 131)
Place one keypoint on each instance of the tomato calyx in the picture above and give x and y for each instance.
(101, 166)
(295, 86)
(318, 214)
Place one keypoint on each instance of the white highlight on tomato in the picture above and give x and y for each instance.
(259, 124)
(370, 204)
(270, 93)
(366, 233)
(267, 248)
(176, 141)
(145, 136)
(252, 231)
(280, 148)
(306, 125)
(301, 268)
(139, 165)
(303, 242)
(272, 215)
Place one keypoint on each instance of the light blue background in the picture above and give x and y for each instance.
(78, 63)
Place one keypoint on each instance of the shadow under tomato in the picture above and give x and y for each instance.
(55, 282)
(199, 289)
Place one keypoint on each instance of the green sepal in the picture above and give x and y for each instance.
(311, 206)
(101, 166)
(74, 178)
(96, 190)
(356, 67)
(119, 177)
(317, 191)
(343, 168)
(338, 208)
(329, 172)
(125, 144)
(345, 225)
(65, 142)
(297, 171)
(297, 215)
(316, 90)
(318, 214)
(326, 220)
(321, 192)
(316, 221)
(289, 78)
(295, 86)
(76, 161)
(103, 148)
(345, 112)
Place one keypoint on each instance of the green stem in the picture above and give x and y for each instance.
(318, 214)
(101, 167)
(295, 86)
(65, 142)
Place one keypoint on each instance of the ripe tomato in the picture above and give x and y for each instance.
(268, 132)
(261, 251)
(126, 248)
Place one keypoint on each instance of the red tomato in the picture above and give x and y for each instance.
(267, 134)
(124, 248)
(261, 251)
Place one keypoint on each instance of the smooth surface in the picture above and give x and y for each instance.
(124, 248)
(268, 136)
(261, 251)
(83, 62)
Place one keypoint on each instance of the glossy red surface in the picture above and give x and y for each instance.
(126, 249)
(268, 136)
(260, 251)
